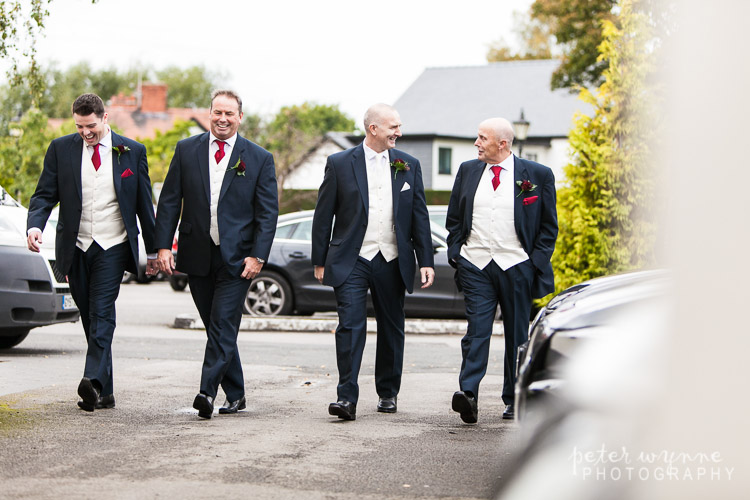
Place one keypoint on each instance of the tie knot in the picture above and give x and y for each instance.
(221, 145)
(496, 170)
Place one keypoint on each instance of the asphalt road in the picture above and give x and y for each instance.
(285, 445)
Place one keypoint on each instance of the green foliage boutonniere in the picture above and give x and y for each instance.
(239, 167)
(526, 187)
(120, 149)
(399, 165)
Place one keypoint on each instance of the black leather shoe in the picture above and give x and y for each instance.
(510, 412)
(343, 409)
(233, 406)
(387, 405)
(102, 402)
(204, 404)
(89, 394)
(465, 405)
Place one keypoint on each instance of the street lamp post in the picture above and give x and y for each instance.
(521, 128)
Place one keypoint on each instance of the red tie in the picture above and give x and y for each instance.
(95, 158)
(220, 152)
(496, 180)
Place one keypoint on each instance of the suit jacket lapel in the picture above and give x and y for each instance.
(237, 152)
(360, 174)
(76, 155)
(397, 182)
(117, 163)
(202, 153)
(472, 184)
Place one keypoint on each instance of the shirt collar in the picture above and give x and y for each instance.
(370, 153)
(506, 164)
(230, 141)
(106, 141)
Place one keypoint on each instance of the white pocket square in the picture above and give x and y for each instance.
(405, 187)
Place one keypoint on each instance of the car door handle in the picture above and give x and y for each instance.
(297, 255)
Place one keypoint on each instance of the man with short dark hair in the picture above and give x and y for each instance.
(502, 228)
(101, 181)
(222, 189)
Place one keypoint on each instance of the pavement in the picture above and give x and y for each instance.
(192, 321)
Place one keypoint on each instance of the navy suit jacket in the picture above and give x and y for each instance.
(247, 211)
(61, 182)
(344, 194)
(535, 214)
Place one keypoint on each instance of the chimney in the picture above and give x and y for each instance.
(154, 98)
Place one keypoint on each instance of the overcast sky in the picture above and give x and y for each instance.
(351, 53)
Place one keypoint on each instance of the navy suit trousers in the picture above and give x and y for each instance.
(383, 279)
(483, 290)
(218, 297)
(95, 277)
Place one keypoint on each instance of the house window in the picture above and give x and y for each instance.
(444, 161)
(531, 156)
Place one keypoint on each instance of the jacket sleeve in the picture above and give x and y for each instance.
(323, 218)
(420, 223)
(266, 209)
(544, 244)
(454, 220)
(144, 202)
(170, 203)
(46, 195)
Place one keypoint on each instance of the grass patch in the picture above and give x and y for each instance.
(14, 419)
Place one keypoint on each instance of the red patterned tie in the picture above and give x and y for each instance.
(95, 158)
(496, 180)
(220, 152)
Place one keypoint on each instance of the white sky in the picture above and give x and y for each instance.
(350, 53)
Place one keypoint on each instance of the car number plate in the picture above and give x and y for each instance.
(68, 302)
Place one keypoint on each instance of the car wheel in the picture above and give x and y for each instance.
(269, 295)
(178, 283)
(16, 337)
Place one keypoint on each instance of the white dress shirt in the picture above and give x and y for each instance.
(493, 231)
(380, 235)
(216, 172)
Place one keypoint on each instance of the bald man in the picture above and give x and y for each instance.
(502, 224)
(376, 195)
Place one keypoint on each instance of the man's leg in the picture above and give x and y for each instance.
(351, 332)
(387, 290)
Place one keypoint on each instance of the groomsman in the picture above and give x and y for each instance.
(222, 189)
(376, 196)
(101, 181)
(502, 224)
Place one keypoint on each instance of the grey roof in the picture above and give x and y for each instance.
(343, 139)
(453, 101)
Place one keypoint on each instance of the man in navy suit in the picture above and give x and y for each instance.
(225, 187)
(376, 195)
(101, 181)
(502, 224)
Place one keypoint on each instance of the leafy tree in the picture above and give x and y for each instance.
(22, 154)
(577, 27)
(295, 131)
(606, 211)
(535, 38)
(188, 87)
(160, 149)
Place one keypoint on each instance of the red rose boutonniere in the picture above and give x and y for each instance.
(526, 187)
(239, 167)
(120, 149)
(399, 165)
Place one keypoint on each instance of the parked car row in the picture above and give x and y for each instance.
(32, 292)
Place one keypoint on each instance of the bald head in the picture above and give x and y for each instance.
(494, 139)
(382, 126)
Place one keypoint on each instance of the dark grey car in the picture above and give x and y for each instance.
(287, 284)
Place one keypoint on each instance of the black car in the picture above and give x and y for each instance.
(571, 321)
(286, 285)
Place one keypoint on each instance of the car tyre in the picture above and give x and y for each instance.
(16, 337)
(269, 295)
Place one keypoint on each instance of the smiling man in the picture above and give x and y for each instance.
(222, 188)
(502, 228)
(101, 181)
(376, 195)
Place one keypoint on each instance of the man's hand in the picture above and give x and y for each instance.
(165, 261)
(252, 268)
(319, 272)
(34, 241)
(152, 267)
(428, 276)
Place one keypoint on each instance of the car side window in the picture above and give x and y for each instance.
(303, 231)
(285, 231)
